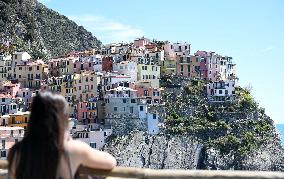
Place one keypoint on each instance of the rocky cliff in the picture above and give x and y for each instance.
(41, 31)
(202, 135)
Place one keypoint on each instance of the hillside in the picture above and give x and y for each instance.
(201, 135)
(41, 31)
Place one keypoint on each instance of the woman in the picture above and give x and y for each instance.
(46, 150)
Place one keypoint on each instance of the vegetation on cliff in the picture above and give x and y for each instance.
(236, 129)
(41, 31)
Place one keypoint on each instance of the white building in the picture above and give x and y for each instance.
(152, 123)
(25, 94)
(151, 117)
(221, 91)
(7, 105)
(121, 100)
(93, 137)
(126, 68)
(109, 79)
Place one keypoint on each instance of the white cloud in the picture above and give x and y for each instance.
(267, 49)
(108, 30)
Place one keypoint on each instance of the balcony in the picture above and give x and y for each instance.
(116, 96)
(92, 108)
(69, 86)
(131, 172)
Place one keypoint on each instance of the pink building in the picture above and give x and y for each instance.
(53, 67)
(183, 66)
(87, 111)
(203, 68)
(10, 88)
(107, 63)
(9, 136)
(169, 50)
(144, 90)
(83, 65)
(141, 42)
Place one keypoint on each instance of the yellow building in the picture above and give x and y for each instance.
(66, 66)
(85, 86)
(149, 73)
(169, 66)
(19, 119)
(30, 74)
(67, 87)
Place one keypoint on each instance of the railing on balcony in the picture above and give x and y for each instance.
(129, 172)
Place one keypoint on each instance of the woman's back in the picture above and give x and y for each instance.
(45, 152)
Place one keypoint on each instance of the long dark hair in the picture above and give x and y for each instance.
(37, 155)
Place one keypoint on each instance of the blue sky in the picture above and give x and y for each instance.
(249, 31)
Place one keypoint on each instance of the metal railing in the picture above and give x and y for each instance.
(130, 172)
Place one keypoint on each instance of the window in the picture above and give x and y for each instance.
(3, 144)
(141, 108)
(114, 108)
(93, 145)
(20, 68)
(133, 101)
(3, 99)
(67, 62)
(37, 67)
(90, 65)
(220, 91)
(154, 116)
(30, 68)
(124, 100)
(14, 106)
(20, 76)
(79, 87)
(74, 65)
(226, 92)
(3, 153)
(13, 120)
(131, 109)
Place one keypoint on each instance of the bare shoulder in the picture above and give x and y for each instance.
(87, 156)
(76, 146)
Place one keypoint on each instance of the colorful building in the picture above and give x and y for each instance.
(184, 66)
(221, 91)
(9, 136)
(19, 119)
